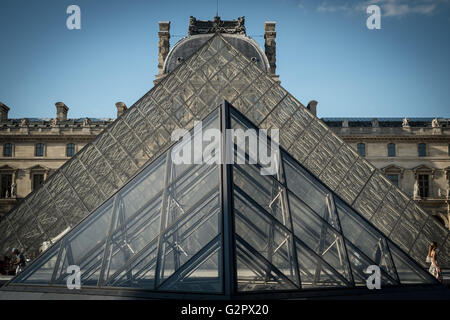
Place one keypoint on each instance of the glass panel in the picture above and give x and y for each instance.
(265, 236)
(359, 263)
(84, 246)
(132, 235)
(255, 273)
(42, 271)
(201, 273)
(144, 189)
(264, 190)
(304, 187)
(409, 272)
(314, 273)
(139, 271)
(366, 238)
(187, 235)
(319, 236)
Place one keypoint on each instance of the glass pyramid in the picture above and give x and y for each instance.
(223, 229)
(216, 72)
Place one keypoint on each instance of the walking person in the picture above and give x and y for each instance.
(20, 260)
(431, 258)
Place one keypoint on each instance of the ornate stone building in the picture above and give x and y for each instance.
(414, 153)
(31, 149)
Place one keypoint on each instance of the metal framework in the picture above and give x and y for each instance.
(217, 71)
(222, 231)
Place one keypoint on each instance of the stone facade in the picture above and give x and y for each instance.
(392, 145)
(32, 149)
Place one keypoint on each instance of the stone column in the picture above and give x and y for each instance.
(121, 108)
(270, 45)
(61, 111)
(163, 45)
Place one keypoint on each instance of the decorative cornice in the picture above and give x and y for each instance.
(389, 138)
(216, 26)
(50, 137)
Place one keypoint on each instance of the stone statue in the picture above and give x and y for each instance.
(24, 122)
(405, 123)
(375, 123)
(13, 190)
(54, 122)
(86, 122)
(416, 190)
(435, 123)
(345, 123)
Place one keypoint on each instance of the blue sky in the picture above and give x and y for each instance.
(324, 52)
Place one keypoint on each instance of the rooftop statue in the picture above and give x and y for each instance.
(405, 123)
(435, 123)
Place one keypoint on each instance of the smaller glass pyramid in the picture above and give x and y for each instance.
(223, 229)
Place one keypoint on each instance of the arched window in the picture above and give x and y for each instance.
(70, 150)
(7, 150)
(39, 150)
(391, 150)
(361, 149)
(422, 150)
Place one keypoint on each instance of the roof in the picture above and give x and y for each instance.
(385, 122)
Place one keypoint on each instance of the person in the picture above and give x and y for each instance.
(431, 258)
(20, 260)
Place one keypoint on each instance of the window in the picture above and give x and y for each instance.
(39, 150)
(423, 185)
(70, 150)
(448, 150)
(422, 149)
(7, 150)
(361, 149)
(391, 149)
(5, 187)
(38, 178)
(393, 178)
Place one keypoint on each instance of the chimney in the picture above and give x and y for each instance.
(3, 112)
(61, 111)
(121, 108)
(164, 44)
(312, 107)
(270, 44)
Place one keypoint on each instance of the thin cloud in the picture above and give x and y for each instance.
(389, 8)
(326, 7)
